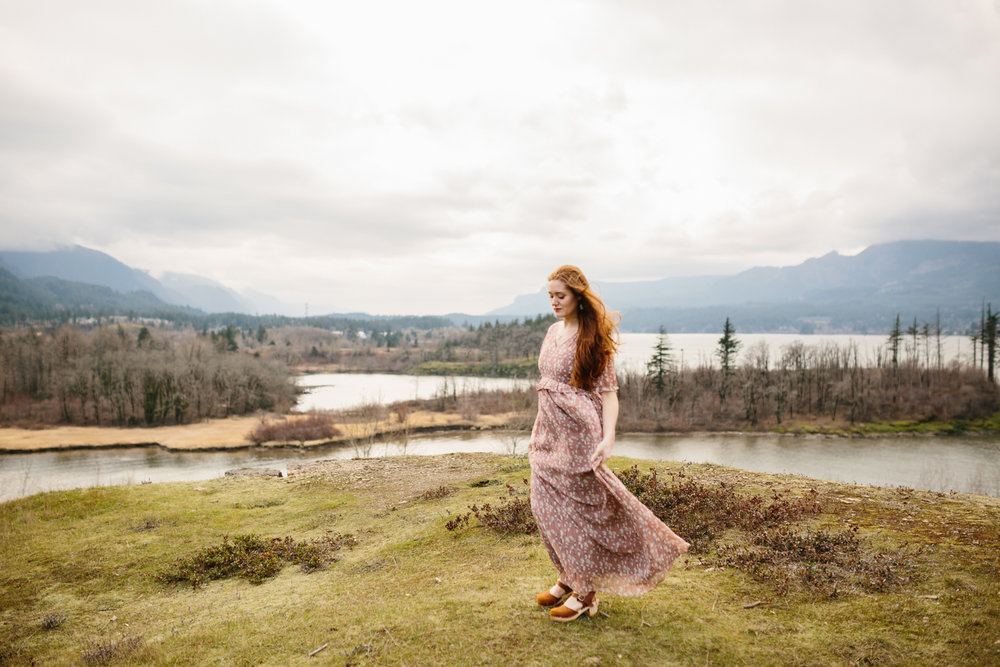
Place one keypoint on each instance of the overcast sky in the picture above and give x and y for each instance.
(435, 156)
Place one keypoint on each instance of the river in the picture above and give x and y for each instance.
(334, 391)
(964, 464)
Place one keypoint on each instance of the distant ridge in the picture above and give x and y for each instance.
(84, 265)
(833, 293)
(56, 300)
(81, 265)
(48, 301)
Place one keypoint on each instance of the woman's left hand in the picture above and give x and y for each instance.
(602, 452)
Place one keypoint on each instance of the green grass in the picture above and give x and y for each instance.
(927, 426)
(80, 578)
(523, 368)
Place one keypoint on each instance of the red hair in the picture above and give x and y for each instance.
(596, 339)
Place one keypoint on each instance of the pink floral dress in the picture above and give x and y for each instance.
(598, 535)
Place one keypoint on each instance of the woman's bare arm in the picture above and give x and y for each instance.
(609, 412)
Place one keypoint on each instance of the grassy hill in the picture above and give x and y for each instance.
(85, 575)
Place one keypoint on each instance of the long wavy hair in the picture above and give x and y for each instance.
(597, 338)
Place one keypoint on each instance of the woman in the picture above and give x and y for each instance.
(598, 535)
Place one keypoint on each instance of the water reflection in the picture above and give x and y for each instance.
(964, 464)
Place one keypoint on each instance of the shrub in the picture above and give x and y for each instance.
(827, 562)
(439, 492)
(129, 647)
(52, 620)
(314, 426)
(700, 513)
(511, 515)
(770, 548)
(254, 558)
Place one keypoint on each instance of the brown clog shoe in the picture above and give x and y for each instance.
(554, 596)
(574, 607)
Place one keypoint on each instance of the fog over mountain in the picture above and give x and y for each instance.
(205, 294)
(84, 265)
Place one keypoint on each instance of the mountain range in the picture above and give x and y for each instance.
(862, 293)
(84, 265)
(833, 293)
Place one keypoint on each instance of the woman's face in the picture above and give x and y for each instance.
(563, 301)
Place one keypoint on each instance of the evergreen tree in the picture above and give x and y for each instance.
(982, 337)
(661, 363)
(226, 339)
(728, 346)
(989, 337)
(937, 338)
(392, 339)
(895, 337)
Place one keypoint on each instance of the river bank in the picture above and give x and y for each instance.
(231, 433)
(967, 464)
(84, 576)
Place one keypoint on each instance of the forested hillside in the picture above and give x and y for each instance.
(130, 375)
(52, 300)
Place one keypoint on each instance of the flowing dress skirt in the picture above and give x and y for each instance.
(598, 535)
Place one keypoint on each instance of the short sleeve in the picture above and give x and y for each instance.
(608, 381)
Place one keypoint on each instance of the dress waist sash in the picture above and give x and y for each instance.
(551, 384)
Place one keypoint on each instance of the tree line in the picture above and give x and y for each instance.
(908, 379)
(496, 345)
(986, 338)
(129, 375)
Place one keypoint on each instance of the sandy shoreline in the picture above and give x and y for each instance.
(215, 434)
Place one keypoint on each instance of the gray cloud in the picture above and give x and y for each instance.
(326, 154)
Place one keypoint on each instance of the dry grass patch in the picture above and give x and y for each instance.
(240, 432)
(209, 434)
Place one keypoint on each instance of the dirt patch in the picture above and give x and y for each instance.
(404, 477)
